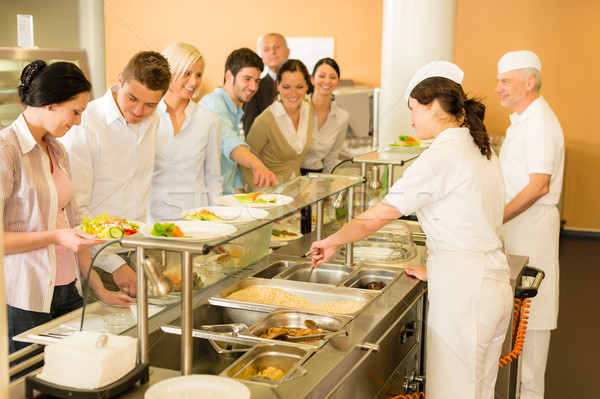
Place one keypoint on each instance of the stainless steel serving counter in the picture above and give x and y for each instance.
(365, 363)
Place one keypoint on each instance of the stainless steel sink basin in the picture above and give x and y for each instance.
(326, 273)
(274, 269)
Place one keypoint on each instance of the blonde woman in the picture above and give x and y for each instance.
(187, 171)
(281, 134)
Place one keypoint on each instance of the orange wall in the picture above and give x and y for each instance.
(562, 33)
(566, 37)
(218, 27)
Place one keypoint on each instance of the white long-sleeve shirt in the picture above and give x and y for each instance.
(111, 163)
(187, 169)
(327, 141)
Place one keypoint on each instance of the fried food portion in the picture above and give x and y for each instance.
(271, 373)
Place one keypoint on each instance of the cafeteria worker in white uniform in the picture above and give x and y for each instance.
(532, 160)
(457, 191)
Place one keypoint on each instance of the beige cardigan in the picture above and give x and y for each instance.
(270, 145)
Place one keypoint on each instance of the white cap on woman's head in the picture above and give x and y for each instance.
(519, 60)
(443, 69)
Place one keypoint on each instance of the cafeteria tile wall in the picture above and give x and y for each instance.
(562, 33)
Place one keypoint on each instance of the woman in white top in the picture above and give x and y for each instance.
(282, 133)
(457, 190)
(330, 121)
(187, 169)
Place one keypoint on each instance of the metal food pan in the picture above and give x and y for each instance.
(317, 294)
(363, 276)
(327, 273)
(295, 319)
(284, 357)
(274, 269)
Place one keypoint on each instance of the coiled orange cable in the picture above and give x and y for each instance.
(520, 319)
(520, 308)
(410, 396)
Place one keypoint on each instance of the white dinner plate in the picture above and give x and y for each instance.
(286, 239)
(195, 230)
(198, 386)
(230, 200)
(140, 224)
(230, 214)
(421, 147)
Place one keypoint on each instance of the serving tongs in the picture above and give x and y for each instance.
(230, 337)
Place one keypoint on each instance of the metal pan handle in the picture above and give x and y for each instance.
(528, 291)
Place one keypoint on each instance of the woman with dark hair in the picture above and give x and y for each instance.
(281, 134)
(456, 189)
(42, 251)
(330, 121)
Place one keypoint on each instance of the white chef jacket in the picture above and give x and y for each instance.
(458, 195)
(327, 141)
(111, 163)
(444, 185)
(187, 169)
(534, 144)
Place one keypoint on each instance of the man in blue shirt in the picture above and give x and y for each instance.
(242, 76)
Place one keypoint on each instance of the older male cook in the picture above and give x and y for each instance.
(532, 160)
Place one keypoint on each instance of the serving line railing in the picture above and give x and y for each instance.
(305, 191)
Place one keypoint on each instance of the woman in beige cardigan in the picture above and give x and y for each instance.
(281, 134)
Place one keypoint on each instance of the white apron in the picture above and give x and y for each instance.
(535, 233)
(470, 303)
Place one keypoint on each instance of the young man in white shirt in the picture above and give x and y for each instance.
(112, 151)
(532, 161)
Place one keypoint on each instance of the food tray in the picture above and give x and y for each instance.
(296, 319)
(285, 357)
(365, 275)
(315, 293)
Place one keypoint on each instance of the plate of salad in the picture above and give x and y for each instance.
(225, 214)
(283, 235)
(108, 227)
(255, 199)
(188, 230)
(409, 144)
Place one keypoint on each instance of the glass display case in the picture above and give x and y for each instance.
(12, 62)
(195, 262)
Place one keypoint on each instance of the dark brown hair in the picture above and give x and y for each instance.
(43, 84)
(469, 112)
(150, 69)
(291, 65)
(240, 59)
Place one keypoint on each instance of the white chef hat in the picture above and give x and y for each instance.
(443, 69)
(519, 60)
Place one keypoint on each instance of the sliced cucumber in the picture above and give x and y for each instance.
(115, 232)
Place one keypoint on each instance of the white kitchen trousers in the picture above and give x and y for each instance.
(469, 313)
(533, 363)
